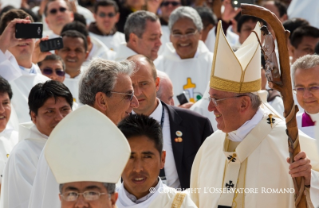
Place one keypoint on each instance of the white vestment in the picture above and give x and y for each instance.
(162, 198)
(8, 139)
(124, 52)
(164, 39)
(21, 167)
(110, 41)
(73, 85)
(308, 10)
(263, 151)
(188, 75)
(278, 105)
(231, 37)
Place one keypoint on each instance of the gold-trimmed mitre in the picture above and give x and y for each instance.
(238, 71)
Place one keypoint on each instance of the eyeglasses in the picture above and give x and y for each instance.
(110, 15)
(128, 96)
(49, 71)
(312, 89)
(173, 3)
(187, 35)
(88, 195)
(215, 101)
(54, 11)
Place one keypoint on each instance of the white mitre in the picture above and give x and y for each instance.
(87, 146)
(239, 71)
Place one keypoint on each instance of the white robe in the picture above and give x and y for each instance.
(8, 139)
(124, 52)
(162, 198)
(110, 41)
(164, 39)
(232, 38)
(20, 170)
(266, 166)
(196, 70)
(308, 10)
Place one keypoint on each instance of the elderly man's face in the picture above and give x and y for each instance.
(167, 91)
(72, 189)
(119, 105)
(58, 15)
(185, 37)
(150, 42)
(142, 169)
(307, 88)
(227, 111)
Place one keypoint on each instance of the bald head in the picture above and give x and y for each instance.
(165, 90)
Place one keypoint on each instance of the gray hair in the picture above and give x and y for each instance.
(303, 63)
(101, 76)
(110, 187)
(185, 12)
(136, 23)
(255, 99)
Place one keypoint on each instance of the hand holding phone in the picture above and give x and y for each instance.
(51, 44)
(182, 98)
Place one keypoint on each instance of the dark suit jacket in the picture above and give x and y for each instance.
(195, 129)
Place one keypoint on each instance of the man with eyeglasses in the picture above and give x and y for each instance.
(249, 151)
(166, 8)
(57, 14)
(305, 74)
(105, 86)
(183, 131)
(86, 178)
(186, 59)
(53, 67)
(106, 14)
(143, 36)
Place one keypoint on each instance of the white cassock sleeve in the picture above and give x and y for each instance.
(45, 190)
(9, 68)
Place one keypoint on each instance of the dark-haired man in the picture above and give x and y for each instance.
(74, 54)
(141, 185)
(53, 67)
(8, 136)
(183, 131)
(303, 41)
(278, 8)
(106, 15)
(49, 103)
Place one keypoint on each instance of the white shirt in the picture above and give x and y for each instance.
(124, 52)
(111, 41)
(172, 179)
(8, 139)
(20, 170)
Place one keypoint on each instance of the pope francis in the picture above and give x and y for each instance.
(244, 163)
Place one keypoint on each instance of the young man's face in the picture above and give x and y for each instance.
(5, 110)
(73, 53)
(106, 18)
(142, 169)
(69, 190)
(245, 30)
(53, 69)
(50, 114)
(306, 46)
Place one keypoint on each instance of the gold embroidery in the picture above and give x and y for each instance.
(178, 200)
(232, 86)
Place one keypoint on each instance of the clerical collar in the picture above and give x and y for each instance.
(144, 198)
(31, 70)
(241, 132)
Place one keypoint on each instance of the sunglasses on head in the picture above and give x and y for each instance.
(110, 15)
(49, 71)
(54, 11)
(173, 3)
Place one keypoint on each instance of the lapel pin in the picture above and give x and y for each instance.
(179, 134)
(270, 120)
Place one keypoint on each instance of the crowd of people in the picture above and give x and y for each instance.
(157, 103)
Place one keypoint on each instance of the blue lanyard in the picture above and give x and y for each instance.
(162, 119)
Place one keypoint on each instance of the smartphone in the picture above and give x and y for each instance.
(51, 44)
(237, 3)
(182, 99)
(26, 31)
